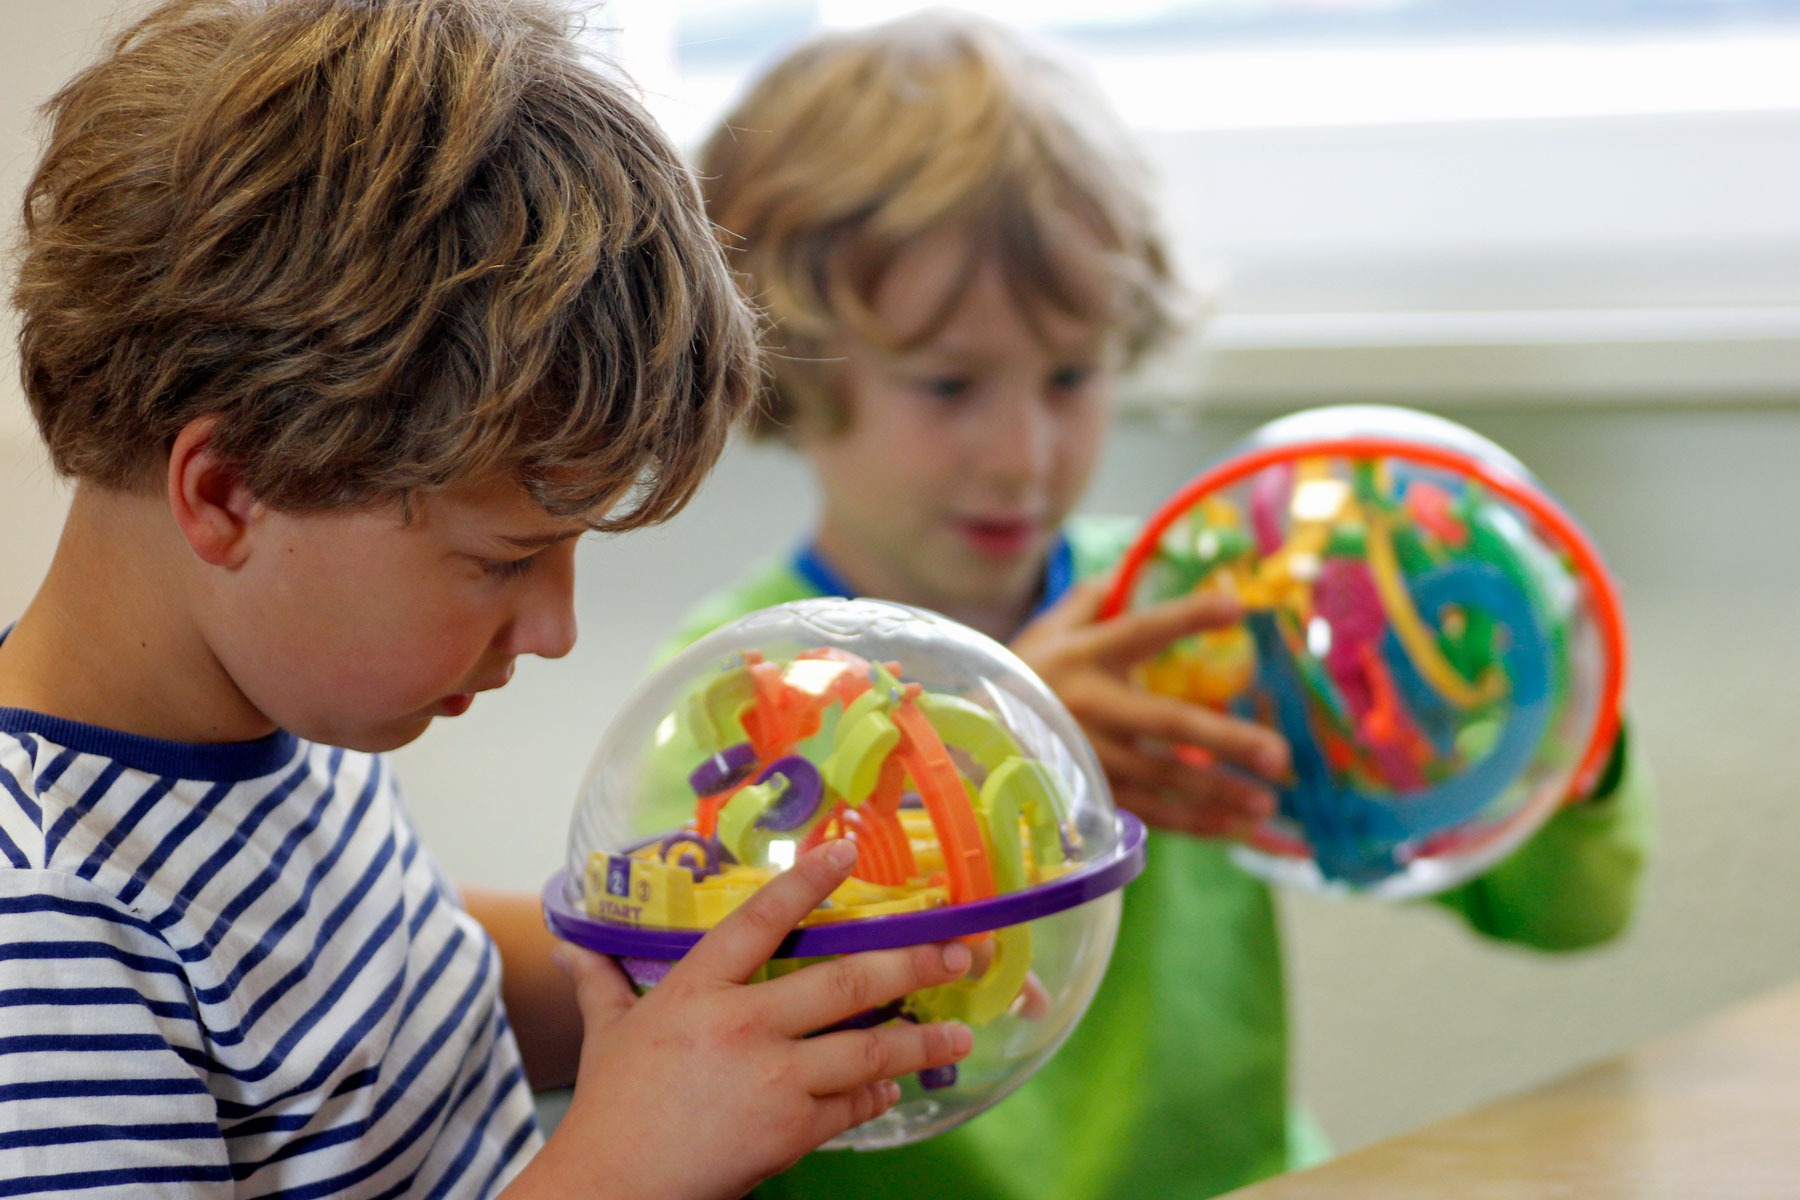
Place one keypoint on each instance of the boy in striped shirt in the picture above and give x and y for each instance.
(346, 318)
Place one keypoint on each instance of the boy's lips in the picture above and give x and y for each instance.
(457, 705)
(997, 537)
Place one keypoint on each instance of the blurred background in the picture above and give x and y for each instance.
(1573, 225)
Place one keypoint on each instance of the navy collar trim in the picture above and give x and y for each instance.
(225, 762)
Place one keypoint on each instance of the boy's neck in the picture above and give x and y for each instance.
(864, 576)
(107, 641)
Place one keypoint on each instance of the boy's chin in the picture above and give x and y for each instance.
(366, 739)
(999, 575)
(991, 585)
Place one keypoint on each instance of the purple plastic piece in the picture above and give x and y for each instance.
(713, 853)
(731, 765)
(934, 1079)
(645, 973)
(801, 800)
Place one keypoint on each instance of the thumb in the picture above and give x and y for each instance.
(602, 991)
(1141, 633)
(1079, 608)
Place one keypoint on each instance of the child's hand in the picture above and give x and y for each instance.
(706, 1084)
(1088, 662)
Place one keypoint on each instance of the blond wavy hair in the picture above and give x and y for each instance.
(391, 245)
(857, 144)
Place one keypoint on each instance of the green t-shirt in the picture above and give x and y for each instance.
(1175, 1084)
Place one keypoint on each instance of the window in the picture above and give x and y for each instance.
(1418, 200)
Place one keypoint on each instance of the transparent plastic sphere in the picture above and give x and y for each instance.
(1436, 638)
(977, 806)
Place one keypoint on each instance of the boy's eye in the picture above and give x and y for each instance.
(1067, 379)
(508, 568)
(946, 387)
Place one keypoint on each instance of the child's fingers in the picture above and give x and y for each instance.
(846, 1110)
(602, 991)
(1134, 636)
(844, 1061)
(1033, 1003)
(1137, 714)
(1172, 795)
(744, 940)
(823, 994)
(981, 956)
(1079, 607)
(1160, 810)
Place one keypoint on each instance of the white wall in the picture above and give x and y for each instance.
(1399, 1015)
(1599, 219)
(40, 46)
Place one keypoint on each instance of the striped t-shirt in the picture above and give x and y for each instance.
(234, 970)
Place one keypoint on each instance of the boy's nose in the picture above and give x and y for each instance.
(545, 622)
(1017, 447)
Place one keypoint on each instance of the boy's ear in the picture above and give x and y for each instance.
(212, 507)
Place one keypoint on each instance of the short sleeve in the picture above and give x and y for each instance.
(103, 1061)
(1575, 882)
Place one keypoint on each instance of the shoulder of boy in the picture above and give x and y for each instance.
(1099, 541)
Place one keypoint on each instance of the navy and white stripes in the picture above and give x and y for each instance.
(234, 971)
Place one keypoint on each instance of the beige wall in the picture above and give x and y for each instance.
(40, 45)
(1399, 1014)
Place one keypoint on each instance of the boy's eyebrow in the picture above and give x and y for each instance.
(1093, 346)
(538, 541)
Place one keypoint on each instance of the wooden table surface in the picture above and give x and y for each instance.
(1711, 1112)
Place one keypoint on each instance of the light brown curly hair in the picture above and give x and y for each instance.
(856, 144)
(391, 245)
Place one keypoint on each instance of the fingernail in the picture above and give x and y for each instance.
(892, 1090)
(962, 1038)
(562, 959)
(841, 853)
(956, 957)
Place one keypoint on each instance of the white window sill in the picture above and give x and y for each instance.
(1442, 359)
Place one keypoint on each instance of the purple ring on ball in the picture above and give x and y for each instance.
(805, 791)
(732, 765)
(714, 856)
(1092, 879)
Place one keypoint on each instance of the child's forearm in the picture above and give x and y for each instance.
(560, 1171)
(709, 1083)
(1575, 882)
(540, 1000)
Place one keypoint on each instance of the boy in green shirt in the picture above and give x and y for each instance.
(957, 258)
